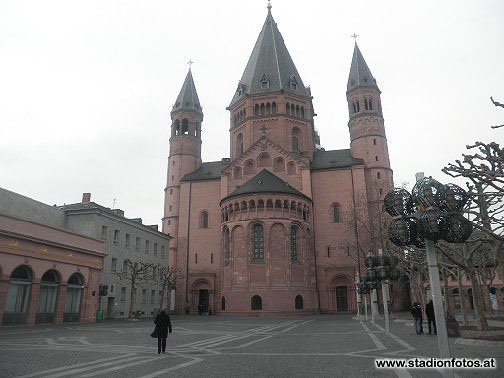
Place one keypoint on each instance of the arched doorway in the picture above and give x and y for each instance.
(200, 293)
(49, 284)
(339, 300)
(75, 287)
(18, 296)
(256, 303)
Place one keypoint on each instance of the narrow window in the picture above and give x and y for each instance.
(128, 241)
(381, 191)
(116, 236)
(302, 111)
(265, 84)
(144, 296)
(256, 109)
(293, 244)
(170, 208)
(204, 219)
(374, 142)
(113, 266)
(211, 258)
(104, 231)
(137, 244)
(287, 108)
(258, 253)
(298, 302)
(378, 175)
(223, 304)
(125, 266)
(262, 109)
(147, 245)
(336, 213)
(268, 108)
(155, 249)
(152, 296)
(123, 294)
(185, 126)
(163, 251)
(273, 108)
(370, 104)
(354, 107)
(195, 258)
(295, 144)
(376, 158)
(357, 106)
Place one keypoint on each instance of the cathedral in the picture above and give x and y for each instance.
(281, 226)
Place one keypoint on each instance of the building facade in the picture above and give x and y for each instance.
(47, 273)
(280, 226)
(124, 239)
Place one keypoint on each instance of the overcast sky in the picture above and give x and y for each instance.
(86, 87)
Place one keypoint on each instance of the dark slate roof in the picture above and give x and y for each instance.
(187, 98)
(334, 159)
(266, 182)
(360, 74)
(207, 171)
(270, 60)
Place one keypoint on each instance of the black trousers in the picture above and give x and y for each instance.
(433, 323)
(161, 344)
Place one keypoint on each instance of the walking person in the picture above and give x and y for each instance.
(163, 324)
(416, 311)
(431, 319)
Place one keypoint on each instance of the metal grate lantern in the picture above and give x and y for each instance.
(458, 229)
(398, 202)
(452, 198)
(383, 272)
(426, 192)
(402, 231)
(393, 260)
(394, 274)
(431, 225)
(368, 261)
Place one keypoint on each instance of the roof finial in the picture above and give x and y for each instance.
(190, 63)
(354, 36)
(269, 6)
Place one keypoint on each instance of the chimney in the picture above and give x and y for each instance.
(86, 197)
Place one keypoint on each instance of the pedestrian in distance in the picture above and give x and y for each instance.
(416, 311)
(163, 325)
(431, 319)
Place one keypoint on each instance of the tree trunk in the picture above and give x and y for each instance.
(161, 302)
(462, 297)
(132, 300)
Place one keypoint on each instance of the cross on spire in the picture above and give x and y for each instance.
(354, 36)
(190, 63)
(269, 5)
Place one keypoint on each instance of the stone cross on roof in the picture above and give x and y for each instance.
(354, 36)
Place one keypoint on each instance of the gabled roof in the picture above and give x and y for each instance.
(207, 171)
(266, 182)
(360, 74)
(270, 62)
(334, 159)
(187, 98)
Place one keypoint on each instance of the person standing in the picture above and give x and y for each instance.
(416, 311)
(431, 319)
(163, 325)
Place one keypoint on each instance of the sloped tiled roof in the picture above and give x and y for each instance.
(187, 98)
(334, 159)
(270, 61)
(266, 182)
(207, 171)
(360, 74)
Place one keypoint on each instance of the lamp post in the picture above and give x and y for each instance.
(381, 269)
(438, 216)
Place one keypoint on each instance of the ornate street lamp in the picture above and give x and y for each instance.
(438, 217)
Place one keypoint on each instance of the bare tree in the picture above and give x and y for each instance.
(135, 273)
(167, 277)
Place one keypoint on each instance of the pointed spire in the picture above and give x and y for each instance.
(187, 98)
(270, 67)
(360, 74)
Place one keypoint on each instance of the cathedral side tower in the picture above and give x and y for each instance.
(367, 135)
(185, 154)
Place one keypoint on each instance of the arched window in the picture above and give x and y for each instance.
(258, 252)
(291, 168)
(237, 173)
(239, 144)
(256, 303)
(296, 137)
(336, 213)
(223, 304)
(293, 244)
(279, 165)
(354, 107)
(18, 296)
(262, 109)
(273, 108)
(298, 302)
(225, 245)
(268, 108)
(293, 110)
(73, 298)
(287, 108)
(370, 104)
(49, 284)
(204, 219)
(177, 127)
(302, 111)
(249, 167)
(256, 109)
(298, 111)
(264, 160)
(185, 126)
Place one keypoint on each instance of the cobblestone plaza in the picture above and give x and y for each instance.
(212, 346)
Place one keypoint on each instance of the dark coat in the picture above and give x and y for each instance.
(416, 311)
(163, 324)
(429, 310)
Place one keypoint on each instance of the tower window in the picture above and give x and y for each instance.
(185, 126)
(370, 104)
(273, 108)
(302, 111)
(262, 109)
(336, 213)
(265, 84)
(287, 108)
(378, 175)
(376, 158)
(204, 219)
(374, 142)
(256, 109)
